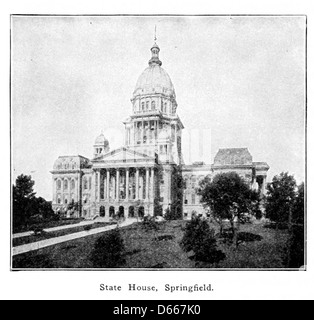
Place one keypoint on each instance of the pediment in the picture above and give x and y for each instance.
(124, 155)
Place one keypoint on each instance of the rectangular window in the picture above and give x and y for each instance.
(193, 198)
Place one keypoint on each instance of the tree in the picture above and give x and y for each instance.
(280, 198)
(229, 197)
(26, 207)
(75, 206)
(23, 194)
(200, 238)
(295, 249)
(298, 207)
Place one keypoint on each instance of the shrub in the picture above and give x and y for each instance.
(149, 223)
(172, 214)
(108, 250)
(200, 238)
(87, 227)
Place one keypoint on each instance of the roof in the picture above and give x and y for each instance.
(154, 79)
(101, 140)
(71, 163)
(233, 156)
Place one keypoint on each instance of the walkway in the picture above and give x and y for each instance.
(67, 226)
(52, 241)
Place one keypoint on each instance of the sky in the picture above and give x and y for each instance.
(240, 79)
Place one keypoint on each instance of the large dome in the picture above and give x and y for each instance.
(154, 79)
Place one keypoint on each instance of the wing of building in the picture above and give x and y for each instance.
(145, 175)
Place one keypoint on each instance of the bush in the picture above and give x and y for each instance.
(172, 214)
(87, 227)
(200, 238)
(108, 250)
(149, 223)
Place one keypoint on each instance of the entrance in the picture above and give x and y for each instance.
(102, 211)
(141, 212)
(131, 212)
(111, 211)
(121, 212)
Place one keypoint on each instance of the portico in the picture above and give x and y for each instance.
(124, 179)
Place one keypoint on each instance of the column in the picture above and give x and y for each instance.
(127, 184)
(152, 183)
(142, 131)
(147, 184)
(254, 183)
(156, 135)
(54, 190)
(126, 136)
(136, 184)
(62, 190)
(78, 194)
(98, 185)
(108, 184)
(105, 186)
(117, 184)
(264, 185)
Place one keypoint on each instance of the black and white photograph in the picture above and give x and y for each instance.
(158, 142)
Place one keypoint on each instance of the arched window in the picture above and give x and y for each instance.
(59, 199)
(65, 184)
(153, 105)
(72, 184)
(143, 106)
(165, 107)
(162, 106)
(147, 105)
(58, 184)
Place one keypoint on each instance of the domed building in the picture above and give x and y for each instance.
(144, 176)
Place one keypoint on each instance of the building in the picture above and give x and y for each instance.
(146, 174)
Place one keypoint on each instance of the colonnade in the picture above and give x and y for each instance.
(117, 184)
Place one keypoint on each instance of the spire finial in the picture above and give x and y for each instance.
(155, 51)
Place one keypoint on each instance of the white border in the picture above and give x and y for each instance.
(85, 285)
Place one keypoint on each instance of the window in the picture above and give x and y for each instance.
(59, 199)
(72, 184)
(165, 107)
(162, 106)
(85, 184)
(58, 184)
(193, 198)
(147, 105)
(153, 105)
(143, 106)
(65, 200)
(65, 184)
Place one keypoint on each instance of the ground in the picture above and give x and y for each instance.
(46, 235)
(161, 249)
(46, 224)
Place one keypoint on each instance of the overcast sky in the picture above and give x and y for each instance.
(242, 79)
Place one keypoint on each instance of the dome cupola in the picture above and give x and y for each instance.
(101, 146)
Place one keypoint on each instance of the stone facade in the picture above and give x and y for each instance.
(238, 160)
(146, 172)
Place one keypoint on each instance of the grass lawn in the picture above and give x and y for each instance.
(46, 224)
(161, 249)
(53, 234)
